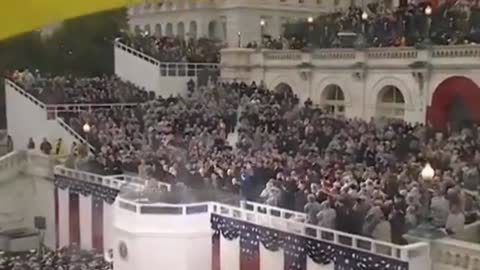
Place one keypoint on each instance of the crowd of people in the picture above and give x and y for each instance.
(352, 175)
(408, 25)
(173, 49)
(72, 90)
(68, 258)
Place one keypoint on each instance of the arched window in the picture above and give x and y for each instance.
(283, 88)
(390, 103)
(193, 30)
(147, 30)
(333, 100)
(169, 30)
(192, 4)
(213, 30)
(158, 30)
(181, 30)
(137, 30)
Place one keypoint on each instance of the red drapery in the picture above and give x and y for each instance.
(74, 218)
(57, 219)
(97, 224)
(445, 93)
(216, 252)
(249, 262)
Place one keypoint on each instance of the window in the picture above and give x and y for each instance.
(390, 103)
(333, 100)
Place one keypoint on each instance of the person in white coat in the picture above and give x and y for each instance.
(327, 215)
(383, 230)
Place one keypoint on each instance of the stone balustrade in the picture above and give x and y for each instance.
(372, 57)
(450, 254)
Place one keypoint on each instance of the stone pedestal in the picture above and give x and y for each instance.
(149, 236)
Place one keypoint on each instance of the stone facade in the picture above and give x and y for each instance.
(406, 83)
(232, 21)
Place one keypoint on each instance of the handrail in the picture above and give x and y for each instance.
(112, 181)
(135, 52)
(328, 235)
(284, 213)
(88, 105)
(77, 136)
(154, 61)
(24, 93)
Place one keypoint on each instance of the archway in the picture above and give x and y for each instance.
(283, 88)
(137, 30)
(390, 103)
(333, 100)
(158, 30)
(147, 30)
(213, 30)
(181, 30)
(193, 30)
(455, 104)
(169, 30)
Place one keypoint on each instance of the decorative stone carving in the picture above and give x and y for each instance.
(360, 71)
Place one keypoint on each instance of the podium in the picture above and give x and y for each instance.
(150, 236)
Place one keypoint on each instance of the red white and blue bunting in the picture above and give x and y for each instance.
(296, 248)
(86, 189)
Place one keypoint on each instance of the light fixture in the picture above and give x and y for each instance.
(238, 34)
(427, 172)
(364, 16)
(428, 10)
(262, 22)
(86, 128)
(310, 19)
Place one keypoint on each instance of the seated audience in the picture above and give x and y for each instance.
(73, 90)
(356, 176)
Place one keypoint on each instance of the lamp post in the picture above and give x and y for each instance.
(310, 31)
(361, 41)
(239, 38)
(262, 29)
(428, 14)
(86, 129)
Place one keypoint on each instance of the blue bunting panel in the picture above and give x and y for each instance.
(297, 248)
(86, 188)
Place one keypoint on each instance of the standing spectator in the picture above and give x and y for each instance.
(311, 209)
(327, 216)
(59, 147)
(455, 220)
(383, 230)
(439, 210)
(46, 147)
(31, 144)
(9, 144)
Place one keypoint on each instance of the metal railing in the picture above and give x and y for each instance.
(24, 93)
(169, 69)
(54, 110)
(77, 136)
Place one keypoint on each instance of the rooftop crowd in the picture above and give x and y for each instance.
(356, 176)
(173, 49)
(74, 90)
(68, 258)
(454, 22)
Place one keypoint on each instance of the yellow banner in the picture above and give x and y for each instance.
(19, 16)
